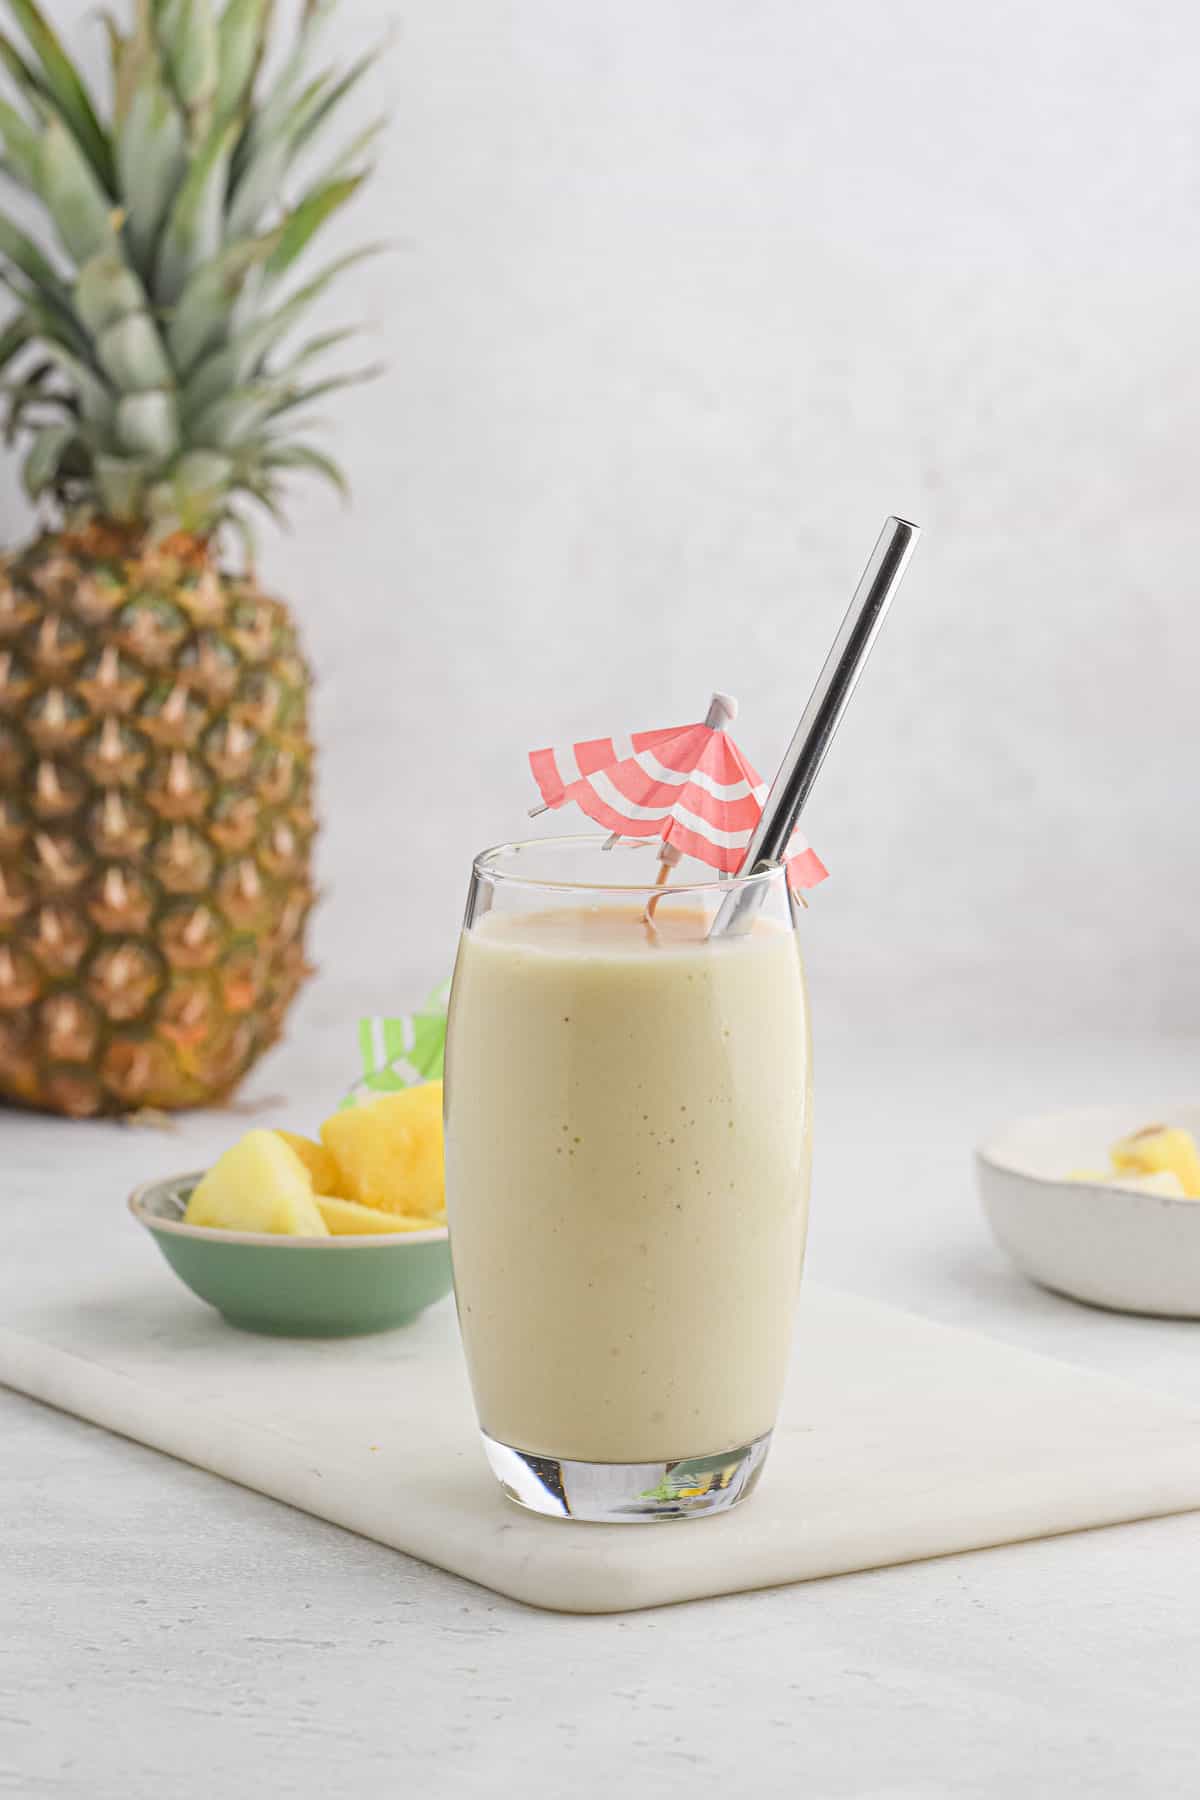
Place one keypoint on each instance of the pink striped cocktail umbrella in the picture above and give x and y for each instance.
(688, 785)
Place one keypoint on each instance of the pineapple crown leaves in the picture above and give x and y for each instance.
(148, 353)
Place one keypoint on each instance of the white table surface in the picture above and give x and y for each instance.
(165, 1634)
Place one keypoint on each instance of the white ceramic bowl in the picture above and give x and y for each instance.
(1111, 1247)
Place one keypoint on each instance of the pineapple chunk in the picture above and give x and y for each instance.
(389, 1151)
(1159, 1147)
(346, 1218)
(259, 1185)
(322, 1169)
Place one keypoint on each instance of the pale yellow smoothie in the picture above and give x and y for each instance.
(627, 1161)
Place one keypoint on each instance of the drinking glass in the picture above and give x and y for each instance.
(628, 1116)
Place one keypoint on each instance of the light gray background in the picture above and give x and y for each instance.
(688, 294)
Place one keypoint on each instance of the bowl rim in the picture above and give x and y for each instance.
(990, 1156)
(218, 1234)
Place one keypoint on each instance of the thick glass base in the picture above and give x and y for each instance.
(627, 1493)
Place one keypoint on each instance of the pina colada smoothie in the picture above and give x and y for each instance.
(627, 1151)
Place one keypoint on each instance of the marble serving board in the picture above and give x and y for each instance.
(900, 1439)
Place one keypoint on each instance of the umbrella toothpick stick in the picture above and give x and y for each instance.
(722, 711)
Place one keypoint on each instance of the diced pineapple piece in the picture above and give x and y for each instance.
(259, 1185)
(389, 1151)
(1159, 1147)
(322, 1168)
(346, 1218)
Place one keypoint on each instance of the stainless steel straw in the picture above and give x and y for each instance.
(822, 716)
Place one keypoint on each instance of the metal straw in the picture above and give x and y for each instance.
(822, 716)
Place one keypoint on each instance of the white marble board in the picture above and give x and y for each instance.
(900, 1439)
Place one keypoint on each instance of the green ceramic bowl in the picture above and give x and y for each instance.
(293, 1286)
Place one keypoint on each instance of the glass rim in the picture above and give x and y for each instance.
(484, 868)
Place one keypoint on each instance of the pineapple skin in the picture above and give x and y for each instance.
(156, 823)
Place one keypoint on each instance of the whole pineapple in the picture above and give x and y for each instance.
(155, 764)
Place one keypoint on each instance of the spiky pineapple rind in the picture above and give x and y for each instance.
(155, 823)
